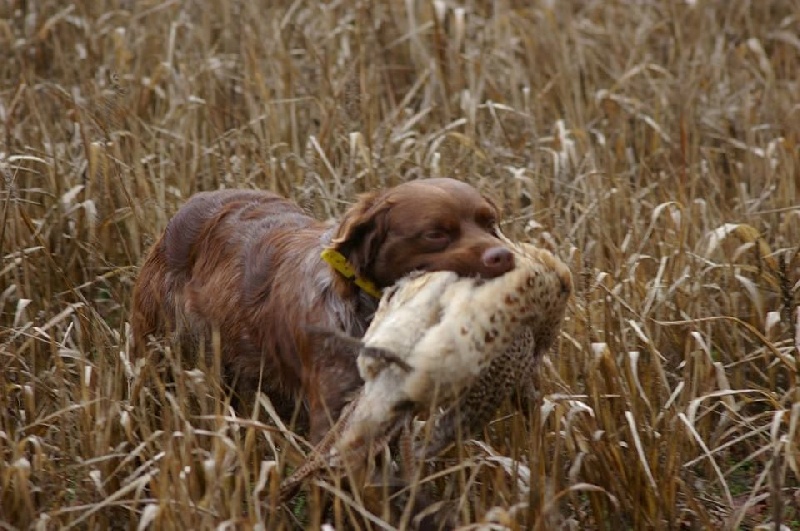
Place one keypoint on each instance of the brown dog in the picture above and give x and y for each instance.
(249, 264)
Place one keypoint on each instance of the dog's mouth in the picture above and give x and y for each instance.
(475, 276)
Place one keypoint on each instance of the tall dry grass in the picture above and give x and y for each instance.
(654, 145)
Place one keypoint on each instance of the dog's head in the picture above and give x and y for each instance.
(425, 225)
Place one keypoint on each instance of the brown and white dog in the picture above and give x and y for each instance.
(252, 265)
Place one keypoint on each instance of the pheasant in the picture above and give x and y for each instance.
(439, 340)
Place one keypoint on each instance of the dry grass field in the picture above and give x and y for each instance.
(653, 145)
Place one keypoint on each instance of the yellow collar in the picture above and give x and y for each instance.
(338, 262)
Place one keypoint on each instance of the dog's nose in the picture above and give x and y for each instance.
(498, 261)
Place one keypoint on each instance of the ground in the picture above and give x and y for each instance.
(654, 146)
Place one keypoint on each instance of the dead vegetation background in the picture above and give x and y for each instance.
(654, 145)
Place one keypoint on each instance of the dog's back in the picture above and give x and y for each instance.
(214, 268)
(158, 305)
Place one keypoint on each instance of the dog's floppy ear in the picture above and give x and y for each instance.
(362, 230)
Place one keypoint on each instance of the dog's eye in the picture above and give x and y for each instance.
(437, 238)
(435, 234)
